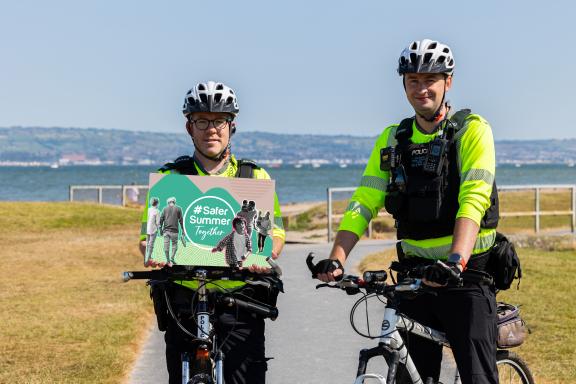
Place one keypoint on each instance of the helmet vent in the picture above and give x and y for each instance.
(432, 46)
(231, 91)
(441, 59)
(203, 98)
(414, 45)
(230, 100)
(413, 58)
(451, 63)
(446, 50)
(189, 92)
(191, 101)
(427, 57)
(201, 87)
(217, 97)
(219, 87)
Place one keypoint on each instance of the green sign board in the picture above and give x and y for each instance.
(209, 221)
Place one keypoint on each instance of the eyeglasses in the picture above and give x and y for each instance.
(204, 124)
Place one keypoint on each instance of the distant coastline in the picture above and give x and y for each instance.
(59, 147)
(45, 183)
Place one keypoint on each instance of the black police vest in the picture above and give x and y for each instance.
(425, 206)
(185, 166)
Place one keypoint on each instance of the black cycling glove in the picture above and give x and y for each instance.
(327, 265)
(441, 273)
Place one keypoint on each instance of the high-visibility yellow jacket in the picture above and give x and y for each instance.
(476, 165)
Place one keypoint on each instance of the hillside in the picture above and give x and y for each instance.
(113, 146)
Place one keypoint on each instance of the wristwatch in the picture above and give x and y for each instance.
(456, 258)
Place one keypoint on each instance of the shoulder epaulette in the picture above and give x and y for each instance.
(183, 164)
(459, 117)
(246, 168)
(404, 130)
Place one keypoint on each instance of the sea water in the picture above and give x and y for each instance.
(292, 184)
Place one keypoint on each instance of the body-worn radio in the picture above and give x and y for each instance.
(435, 157)
(389, 158)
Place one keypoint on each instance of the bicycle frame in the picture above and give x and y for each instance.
(392, 342)
(391, 346)
(205, 360)
(204, 334)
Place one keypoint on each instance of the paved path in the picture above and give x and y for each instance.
(311, 341)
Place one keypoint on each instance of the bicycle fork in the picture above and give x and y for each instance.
(201, 363)
(392, 348)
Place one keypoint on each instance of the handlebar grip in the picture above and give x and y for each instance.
(265, 311)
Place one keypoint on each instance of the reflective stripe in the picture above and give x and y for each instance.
(360, 209)
(458, 139)
(484, 241)
(478, 174)
(278, 223)
(374, 182)
(391, 142)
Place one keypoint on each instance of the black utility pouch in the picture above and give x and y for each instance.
(425, 200)
(424, 209)
(270, 294)
(393, 203)
(160, 308)
(504, 263)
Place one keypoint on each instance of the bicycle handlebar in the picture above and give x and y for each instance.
(191, 273)
(211, 273)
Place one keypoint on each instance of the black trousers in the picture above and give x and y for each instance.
(468, 317)
(241, 340)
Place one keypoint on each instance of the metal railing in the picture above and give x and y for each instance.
(536, 213)
(120, 194)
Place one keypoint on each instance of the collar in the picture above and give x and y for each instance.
(226, 170)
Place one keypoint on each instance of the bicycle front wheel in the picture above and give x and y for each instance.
(512, 369)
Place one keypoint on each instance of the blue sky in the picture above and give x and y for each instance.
(326, 67)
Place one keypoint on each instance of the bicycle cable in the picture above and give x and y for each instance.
(365, 299)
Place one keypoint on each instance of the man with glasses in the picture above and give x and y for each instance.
(210, 109)
(435, 174)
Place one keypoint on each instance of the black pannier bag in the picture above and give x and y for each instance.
(504, 264)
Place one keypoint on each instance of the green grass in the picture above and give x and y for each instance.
(548, 305)
(33, 216)
(66, 316)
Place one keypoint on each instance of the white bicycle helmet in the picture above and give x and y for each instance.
(210, 97)
(426, 56)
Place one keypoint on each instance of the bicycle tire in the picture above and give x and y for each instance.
(512, 369)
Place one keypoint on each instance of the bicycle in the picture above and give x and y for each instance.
(204, 362)
(391, 346)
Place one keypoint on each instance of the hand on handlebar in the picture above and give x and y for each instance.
(326, 270)
(258, 269)
(440, 274)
